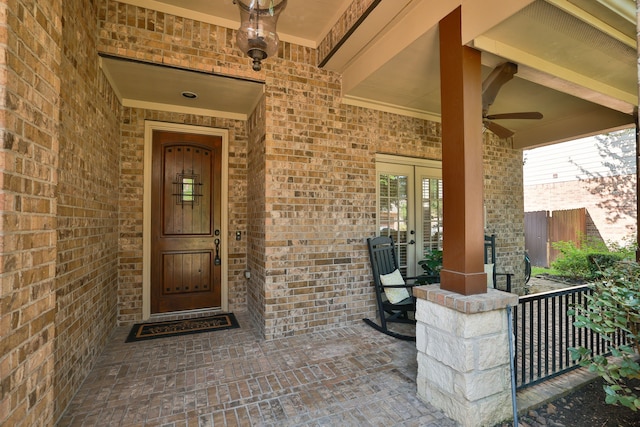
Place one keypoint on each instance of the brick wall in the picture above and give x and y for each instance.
(130, 217)
(30, 40)
(256, 216)
(320, 199)
(87, 217)
(59, 207)
(505, 206)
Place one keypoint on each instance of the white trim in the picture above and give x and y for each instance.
(572, 9)
(149, 127)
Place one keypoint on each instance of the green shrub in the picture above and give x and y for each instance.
(572, 261)
(587, 260)
(614, 306)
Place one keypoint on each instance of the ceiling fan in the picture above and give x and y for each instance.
(490, 87)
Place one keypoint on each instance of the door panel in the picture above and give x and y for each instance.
(395, 218)
(185, 222)
(186, 272)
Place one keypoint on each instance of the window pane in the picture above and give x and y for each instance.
(187, 189)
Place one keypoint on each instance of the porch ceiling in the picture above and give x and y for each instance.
(577, 59)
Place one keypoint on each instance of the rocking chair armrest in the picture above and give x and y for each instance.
(406, 285)
(419, 280)
(508, 276)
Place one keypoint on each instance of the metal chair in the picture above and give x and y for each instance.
(490, 262)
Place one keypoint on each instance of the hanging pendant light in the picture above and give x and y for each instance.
(257, 35)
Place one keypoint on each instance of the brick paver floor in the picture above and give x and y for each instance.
(351, 376)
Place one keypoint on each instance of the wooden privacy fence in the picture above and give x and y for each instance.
(542, 228)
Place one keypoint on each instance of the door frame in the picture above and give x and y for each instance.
(149, 127)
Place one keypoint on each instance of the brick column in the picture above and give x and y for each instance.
(463, 354)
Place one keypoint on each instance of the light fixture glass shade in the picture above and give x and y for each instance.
(257, 35)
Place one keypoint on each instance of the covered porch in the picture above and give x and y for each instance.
(84, 82)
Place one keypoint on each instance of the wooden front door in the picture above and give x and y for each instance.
(186, 260)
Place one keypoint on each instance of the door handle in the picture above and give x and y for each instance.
(412, 242)
(217, 260)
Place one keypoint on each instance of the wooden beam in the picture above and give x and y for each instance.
(462, 173)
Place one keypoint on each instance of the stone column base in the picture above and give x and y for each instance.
(463, 354)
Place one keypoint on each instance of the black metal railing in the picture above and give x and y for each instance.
(544, 332)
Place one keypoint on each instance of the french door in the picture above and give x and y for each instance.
(409, 201)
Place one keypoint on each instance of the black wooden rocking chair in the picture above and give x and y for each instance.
(394, 296)
(490, 264)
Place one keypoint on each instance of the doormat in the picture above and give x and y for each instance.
(172, 328)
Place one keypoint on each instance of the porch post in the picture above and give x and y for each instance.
(462, 175)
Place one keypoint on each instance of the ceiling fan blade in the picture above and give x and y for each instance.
(525, 115)
(492, 84)
(500, 131)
